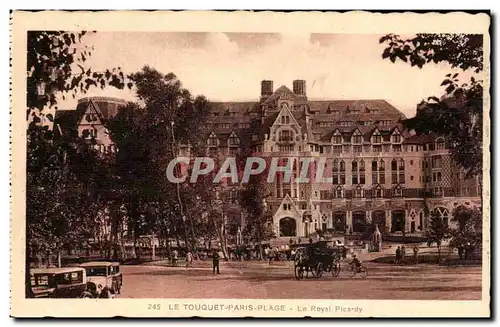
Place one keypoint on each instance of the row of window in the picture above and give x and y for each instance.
(214, 141)
(230, 125)
(345, 124)
(358, 138)
(378, 172)
(380, 192)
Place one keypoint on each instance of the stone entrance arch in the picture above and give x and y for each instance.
(398, 221)
(339, 221)
(288, 227)
(378, 218)
(358, 221)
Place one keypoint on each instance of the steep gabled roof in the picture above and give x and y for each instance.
(282, 90)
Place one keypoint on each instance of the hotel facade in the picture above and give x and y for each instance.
(381, 173)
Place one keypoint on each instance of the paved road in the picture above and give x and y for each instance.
(258, 280)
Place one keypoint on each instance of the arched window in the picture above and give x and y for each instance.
(440, 144)
(288, 227)
(358, 221)
(442, 213)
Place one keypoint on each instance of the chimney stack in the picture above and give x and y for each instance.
(266, 88)
(299, 87)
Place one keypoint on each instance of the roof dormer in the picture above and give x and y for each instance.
(396, 136)
(213, 140)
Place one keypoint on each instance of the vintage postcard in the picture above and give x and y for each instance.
(262, 164)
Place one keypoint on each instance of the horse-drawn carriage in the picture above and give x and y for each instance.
(316, 258)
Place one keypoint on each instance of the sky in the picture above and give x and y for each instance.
(230, 66)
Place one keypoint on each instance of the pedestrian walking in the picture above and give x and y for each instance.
(271, 255)
(215, 262)
(398, 255)
(175, 257)
(415, 254)
(461, 252)
(403, 253)
(189, 260)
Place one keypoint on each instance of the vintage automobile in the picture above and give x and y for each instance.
(104, 279)
(68, 282)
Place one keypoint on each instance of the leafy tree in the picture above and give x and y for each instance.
(457, 115)
(258, 222)
(148, 137)
(438, 231)
(56, 63)
(469, 232)
(462, 51)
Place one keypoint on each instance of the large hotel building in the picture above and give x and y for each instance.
(381, 173)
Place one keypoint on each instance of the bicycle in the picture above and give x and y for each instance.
(362, 270)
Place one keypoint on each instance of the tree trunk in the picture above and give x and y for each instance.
(222, 241)
(135, 252)
(439, 253)
(49, 260)
(28, 291)
(59, 263)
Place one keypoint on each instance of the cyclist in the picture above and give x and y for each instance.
(355, 263)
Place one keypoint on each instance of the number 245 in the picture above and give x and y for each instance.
(154, 306)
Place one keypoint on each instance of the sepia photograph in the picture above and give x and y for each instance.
(231, 170)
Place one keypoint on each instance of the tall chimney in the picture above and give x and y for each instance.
(266, 88)
(299, 87)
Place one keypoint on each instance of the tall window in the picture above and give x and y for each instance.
(233, 140)
(324, 223)
(398, 171)
(396, 137)
(337, 149)
(378, 172)
(357, 138)
(285, 120)
(212, 141)
(357, 148)
(285, 136)
(376, 138)
(358, 172)
(337, 139)
(437, 162)
(338, 172)
(440, 144)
